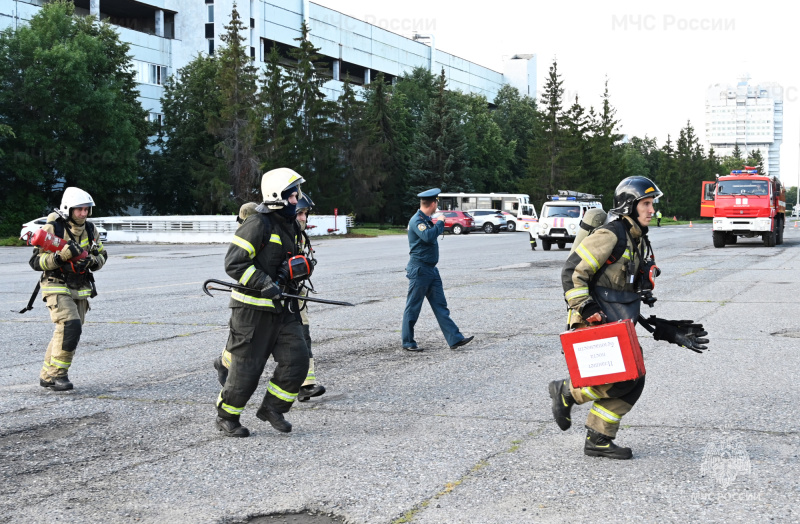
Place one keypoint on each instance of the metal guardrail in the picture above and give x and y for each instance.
(198, 229)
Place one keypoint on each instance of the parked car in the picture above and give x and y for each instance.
(489, 220)
(796, 212)
(455, 221)
(29, 228)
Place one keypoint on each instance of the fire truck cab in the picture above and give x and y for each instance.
(745, 204)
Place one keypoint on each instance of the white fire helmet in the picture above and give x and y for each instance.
(275, 182)
(75, 197)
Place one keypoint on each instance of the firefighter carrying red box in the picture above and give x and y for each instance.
(605, 279)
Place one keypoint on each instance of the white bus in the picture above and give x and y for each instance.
(521, 215)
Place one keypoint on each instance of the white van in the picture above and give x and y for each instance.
(561, 217)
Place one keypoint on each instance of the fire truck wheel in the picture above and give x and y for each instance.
(512, 226)
(779, 235)
(457, 229)
(546, 245)
(731, 239)
(719, 239)
(562, 245)
(769, 239)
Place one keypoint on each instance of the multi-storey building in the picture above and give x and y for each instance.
(165, 35)
(750, 116)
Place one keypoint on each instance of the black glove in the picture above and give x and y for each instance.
(684, 333)
(283, 273)
(271, 290)
(85, 263)
(590, 309)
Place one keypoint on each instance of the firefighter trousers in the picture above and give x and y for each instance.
(68, 315)
(611, 403)
(254, 336)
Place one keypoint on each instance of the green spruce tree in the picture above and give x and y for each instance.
(441, 158)
(313, 127)
(238, 123)
(178, 181)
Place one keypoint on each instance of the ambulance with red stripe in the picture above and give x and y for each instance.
(561, 215)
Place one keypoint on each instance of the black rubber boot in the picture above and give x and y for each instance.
(232, 428)
(267, 414)
(599, 445)
(562, 403)
(57, 384)
(306, 392)
(222, 371)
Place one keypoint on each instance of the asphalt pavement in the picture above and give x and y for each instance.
(441, 436)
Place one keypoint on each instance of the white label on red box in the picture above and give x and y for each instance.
(599, 357)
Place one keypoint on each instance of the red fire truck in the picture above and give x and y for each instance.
(745, 204)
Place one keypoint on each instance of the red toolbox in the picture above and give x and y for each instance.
(603, 354)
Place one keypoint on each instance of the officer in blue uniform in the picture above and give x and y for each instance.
(423, 277)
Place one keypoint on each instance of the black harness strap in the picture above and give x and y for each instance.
(621, 229)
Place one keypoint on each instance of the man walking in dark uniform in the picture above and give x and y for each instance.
(423, 277)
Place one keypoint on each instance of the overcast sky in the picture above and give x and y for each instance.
(659, 60)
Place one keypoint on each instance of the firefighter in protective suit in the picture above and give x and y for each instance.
(601, 288)
(262, 323)
(310, 388)
(67, 283)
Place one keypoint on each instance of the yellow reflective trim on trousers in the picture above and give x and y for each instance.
(589, 392)
(227, 407)
(603, 413)
(226, 358)
(281, 394)
(253, 301)
(311, 377)
(84, 292)
(56, 290)
(275, 239)
(577, 292)
(587, 257)
(247, 274)
(244, 244)
(59, 363)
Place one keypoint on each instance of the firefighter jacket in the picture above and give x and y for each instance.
(62, 279)
(261, 244)
(578, 275)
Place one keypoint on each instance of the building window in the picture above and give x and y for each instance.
(157, 118)
(252, 52)
(209, 1)
(211, 13)
(209, 30)
(211, 46)
(252, 23)
(147, 73)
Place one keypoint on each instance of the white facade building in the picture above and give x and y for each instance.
(750, 116)
(165, 35)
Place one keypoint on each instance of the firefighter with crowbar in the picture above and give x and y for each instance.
(310, 387)
(265, 259)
